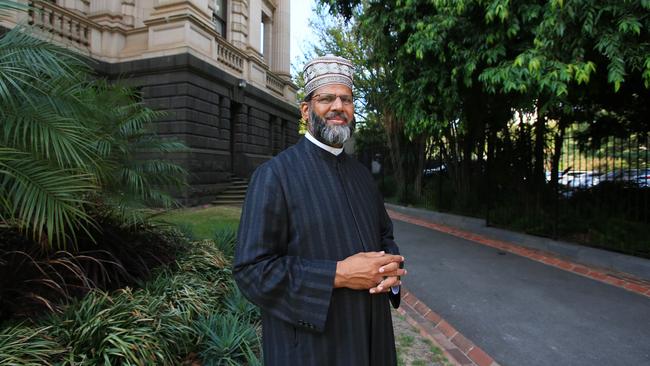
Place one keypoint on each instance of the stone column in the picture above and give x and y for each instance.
(280, 57)
(108, 13)
(255, 27)
(239, 24)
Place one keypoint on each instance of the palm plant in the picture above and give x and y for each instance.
(68, 141)
(75, 170)
(46, 151)
(133, 176)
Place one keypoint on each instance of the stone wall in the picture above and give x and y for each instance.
(230, 127)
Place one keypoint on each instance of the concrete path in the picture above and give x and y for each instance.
(523, 312)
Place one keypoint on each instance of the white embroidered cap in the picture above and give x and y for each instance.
(327, 70)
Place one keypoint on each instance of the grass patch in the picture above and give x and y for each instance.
(405, 340)
(205, 222)
(413, 348)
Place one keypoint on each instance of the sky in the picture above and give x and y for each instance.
(301, 11)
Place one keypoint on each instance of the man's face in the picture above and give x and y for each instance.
(330, 121)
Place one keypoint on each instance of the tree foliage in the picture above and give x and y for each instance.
(461, 71)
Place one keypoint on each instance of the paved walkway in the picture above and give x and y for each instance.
(497, 303)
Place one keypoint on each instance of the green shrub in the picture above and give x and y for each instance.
(226, 238)
(108, 330)
(237, 304)
(27, 346)
(186, 230)
(227, 340)
(37, 280)
(188, 307)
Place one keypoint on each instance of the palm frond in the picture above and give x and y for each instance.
(153, 143)
(6, 6)
(28, 63)
(22, 46)
(46, 200)
(50, 135)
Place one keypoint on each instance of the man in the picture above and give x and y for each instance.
(314, 241)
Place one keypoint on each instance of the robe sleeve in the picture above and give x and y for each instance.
(295, 289)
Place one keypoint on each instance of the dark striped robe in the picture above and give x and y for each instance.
(305, 210)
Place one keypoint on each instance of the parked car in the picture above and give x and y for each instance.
(428, 172)
(583, 179)
(619, 175)
(642, 178)
(578, 179)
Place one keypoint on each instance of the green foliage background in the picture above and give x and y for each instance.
(493, 88)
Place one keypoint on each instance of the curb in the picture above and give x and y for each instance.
(591, 256)
(459, 350)
(619, 279)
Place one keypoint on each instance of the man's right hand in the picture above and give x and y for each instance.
(365, 270)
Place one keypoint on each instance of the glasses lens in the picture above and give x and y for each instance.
(346, 99)
(330, 98)
(327, 98)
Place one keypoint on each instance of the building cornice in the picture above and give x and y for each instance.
(105, 37)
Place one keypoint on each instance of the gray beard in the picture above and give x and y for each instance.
(332, 135)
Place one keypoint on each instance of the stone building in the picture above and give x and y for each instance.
(219, 68)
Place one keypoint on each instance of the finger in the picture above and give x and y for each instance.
(390, 258)
(389, 267)
(376, 254)
(398, 272)
(386, 285)
(389, 282)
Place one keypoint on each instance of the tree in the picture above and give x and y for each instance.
(464, 69)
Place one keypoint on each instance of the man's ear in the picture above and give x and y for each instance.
(304, 110)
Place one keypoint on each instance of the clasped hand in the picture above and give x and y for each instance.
(373, 271)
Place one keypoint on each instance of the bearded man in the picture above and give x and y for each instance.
(315, 245)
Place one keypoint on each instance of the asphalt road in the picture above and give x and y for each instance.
(521, 312)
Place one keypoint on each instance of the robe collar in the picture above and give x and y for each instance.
(334, 150)
(311, 148)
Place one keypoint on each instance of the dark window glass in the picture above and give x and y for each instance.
(219, 16)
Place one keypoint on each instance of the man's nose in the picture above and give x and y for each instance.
(337, 104)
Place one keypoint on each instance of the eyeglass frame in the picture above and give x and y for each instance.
(336, 96)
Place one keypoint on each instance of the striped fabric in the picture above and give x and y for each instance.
(305, 210)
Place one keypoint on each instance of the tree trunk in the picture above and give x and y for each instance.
(393, 137)
(491, 186)
(420, 145)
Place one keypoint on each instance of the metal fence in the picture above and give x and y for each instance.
(600, 196)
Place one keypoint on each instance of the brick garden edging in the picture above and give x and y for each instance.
(619, 279)
(458, 349)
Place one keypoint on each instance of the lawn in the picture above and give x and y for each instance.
(203, 223)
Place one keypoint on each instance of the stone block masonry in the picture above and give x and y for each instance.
(230, 130)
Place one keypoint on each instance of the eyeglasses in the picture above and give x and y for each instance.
(327, 99)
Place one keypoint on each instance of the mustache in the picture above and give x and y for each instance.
(339, 115)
